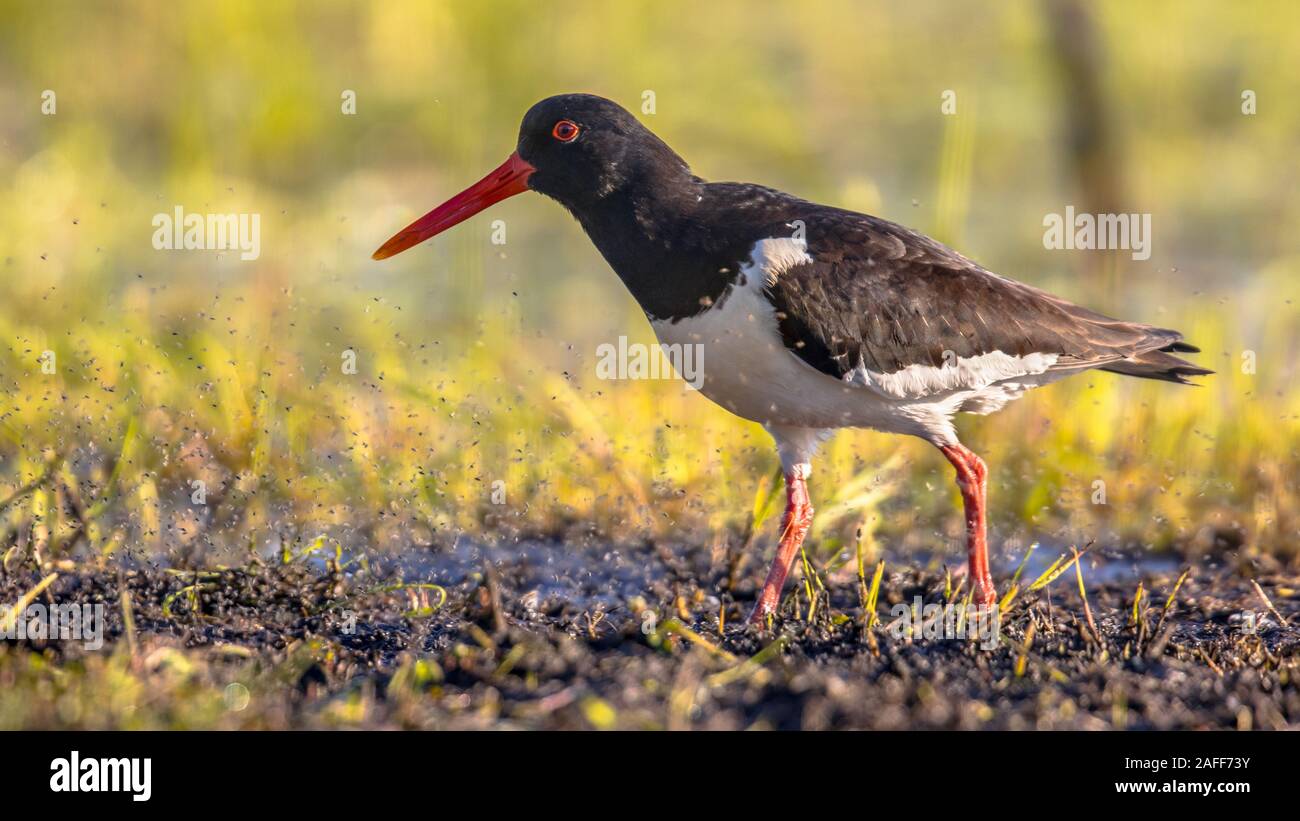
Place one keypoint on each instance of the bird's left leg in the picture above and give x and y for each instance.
(796, 447)
(794, 526)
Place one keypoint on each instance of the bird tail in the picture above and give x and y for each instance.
(1160, 363)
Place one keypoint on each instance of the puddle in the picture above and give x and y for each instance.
(585, 577)
(1099, 568)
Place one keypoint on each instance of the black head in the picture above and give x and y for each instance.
(576, 148)
(585, 148)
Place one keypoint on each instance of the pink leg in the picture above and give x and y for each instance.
(972, 478)
(794, 526)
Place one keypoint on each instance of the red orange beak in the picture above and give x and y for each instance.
(510, 178)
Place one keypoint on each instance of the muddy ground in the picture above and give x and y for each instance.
(559, 637)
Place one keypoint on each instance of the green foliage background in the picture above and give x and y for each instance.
(174, 367)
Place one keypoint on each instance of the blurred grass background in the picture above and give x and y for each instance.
(475, 362)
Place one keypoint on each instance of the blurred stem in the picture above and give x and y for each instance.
(1094, 154)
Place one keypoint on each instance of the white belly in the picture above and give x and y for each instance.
(744, 366)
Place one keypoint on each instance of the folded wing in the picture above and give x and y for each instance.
(882, 306)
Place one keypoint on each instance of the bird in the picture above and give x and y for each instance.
(809, 318)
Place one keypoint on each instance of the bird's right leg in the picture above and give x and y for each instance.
(972, 479)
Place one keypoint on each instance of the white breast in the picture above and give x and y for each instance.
(745, 365)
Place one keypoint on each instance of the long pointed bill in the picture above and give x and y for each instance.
(507, 180)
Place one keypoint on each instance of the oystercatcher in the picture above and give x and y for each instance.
(810, 318)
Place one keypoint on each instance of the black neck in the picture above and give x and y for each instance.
(658, 238)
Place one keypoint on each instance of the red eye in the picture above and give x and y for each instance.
(566, 131)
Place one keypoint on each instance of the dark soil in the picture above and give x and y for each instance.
(543, 636)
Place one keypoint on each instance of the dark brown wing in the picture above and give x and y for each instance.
(880, 296)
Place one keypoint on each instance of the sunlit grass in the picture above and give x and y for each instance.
(473, 435)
